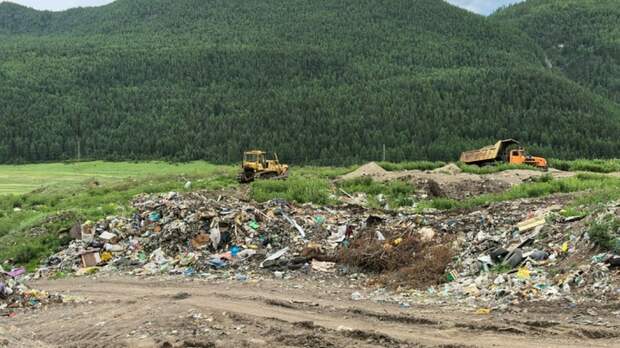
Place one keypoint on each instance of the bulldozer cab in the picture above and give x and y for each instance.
(254, 160)
(254, 156)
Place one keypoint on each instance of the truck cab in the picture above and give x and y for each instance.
(519, 156)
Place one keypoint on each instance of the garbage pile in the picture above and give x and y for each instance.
(14, 294)
(502, 254)
(194, 233)
(545, 256)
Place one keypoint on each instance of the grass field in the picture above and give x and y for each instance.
(597, 166)
(19, 179)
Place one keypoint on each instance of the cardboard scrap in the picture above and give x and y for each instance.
(90, 259)
(528, 224)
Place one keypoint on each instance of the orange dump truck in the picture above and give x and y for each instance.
(507, 151)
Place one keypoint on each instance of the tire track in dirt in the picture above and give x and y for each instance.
(266, 311)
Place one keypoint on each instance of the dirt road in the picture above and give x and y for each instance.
(132, 312)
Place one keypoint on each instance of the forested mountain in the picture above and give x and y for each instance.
(581, 38)
(323, 82)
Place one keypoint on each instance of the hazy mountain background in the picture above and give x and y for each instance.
(479, 6)
(58, 5)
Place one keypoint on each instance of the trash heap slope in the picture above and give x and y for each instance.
(193, 233)
(500, 255)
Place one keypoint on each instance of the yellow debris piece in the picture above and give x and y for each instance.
(483, 311)
(106, 256)
(523, 273)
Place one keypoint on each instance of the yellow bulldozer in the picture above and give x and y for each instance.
(255, 165)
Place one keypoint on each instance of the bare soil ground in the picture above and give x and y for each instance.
(180, 312)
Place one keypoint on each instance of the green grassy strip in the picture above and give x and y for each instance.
(597, 166)
(490, 169)
(32, 250)
(298, 188)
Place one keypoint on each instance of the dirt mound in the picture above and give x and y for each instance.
(451, 182)
(449, 168)
(371, 169)
(448, 181)
(456, 186)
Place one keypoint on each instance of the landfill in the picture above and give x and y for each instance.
(543, 258)
(193, 234)
(525, 251)
(500, 255)
(197, 234)
(14, 294)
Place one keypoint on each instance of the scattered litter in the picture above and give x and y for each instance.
(320, 266)
(501, 254)
(275, 255)
(356, 296)
(15, 294)
(514, 258)
(181, 296)
(105, 235)
(483, 311)
(523, 273)
(427, 234)
(531, 223)
(302, 233)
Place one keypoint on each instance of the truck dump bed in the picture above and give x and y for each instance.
(489, 153)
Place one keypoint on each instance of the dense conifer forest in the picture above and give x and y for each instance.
(320, 82)
(580, 37)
